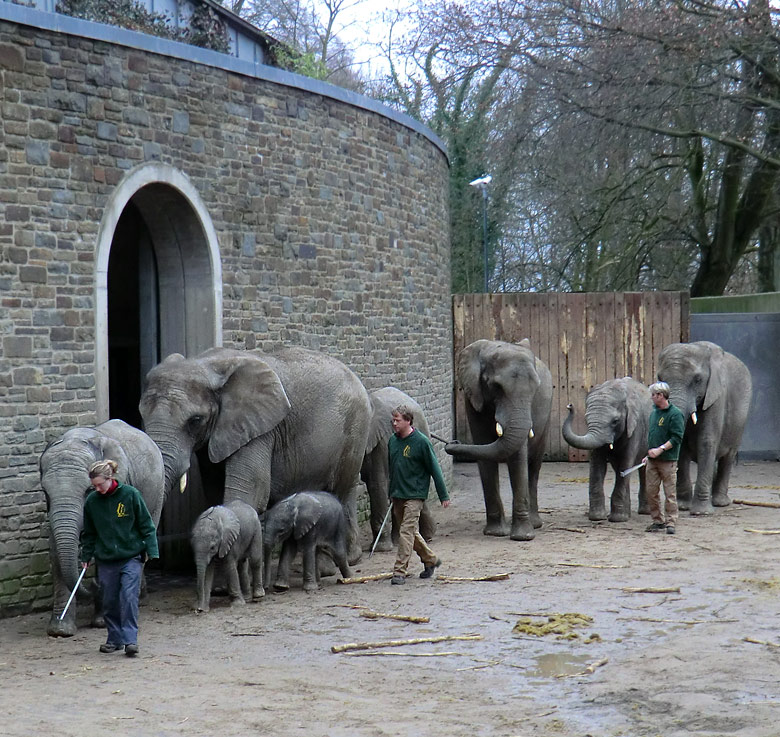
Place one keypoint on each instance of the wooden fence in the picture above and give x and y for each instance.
(584, 339)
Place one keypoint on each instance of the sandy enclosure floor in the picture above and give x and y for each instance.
(676, 663)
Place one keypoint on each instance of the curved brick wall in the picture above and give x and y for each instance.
(331, 219)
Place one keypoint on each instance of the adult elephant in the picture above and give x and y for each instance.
(508, 399)
(617, 413)
(375, 471)
(281, 422)
(64, 467)
(713, 390)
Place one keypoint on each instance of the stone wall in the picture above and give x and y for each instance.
(331, 220)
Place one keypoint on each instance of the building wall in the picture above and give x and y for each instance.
(331, 217)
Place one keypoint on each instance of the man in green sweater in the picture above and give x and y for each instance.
(120, 534)
(412, 464)
(665, 434)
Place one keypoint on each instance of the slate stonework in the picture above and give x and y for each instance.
(332, 226)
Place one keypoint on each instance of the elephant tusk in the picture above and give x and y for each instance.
(499, 429)
(183, 483)
(694, 419)
(611, 446)
(531, 434)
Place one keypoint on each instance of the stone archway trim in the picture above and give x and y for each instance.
(141, 176)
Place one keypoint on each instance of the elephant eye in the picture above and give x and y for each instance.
(196, 420)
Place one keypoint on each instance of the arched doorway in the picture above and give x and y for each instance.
(158, 291)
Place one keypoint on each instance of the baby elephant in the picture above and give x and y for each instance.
(231, 536)
(309, 521)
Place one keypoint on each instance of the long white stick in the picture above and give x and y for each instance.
(632, 469)
(73, 593)
(379, 534)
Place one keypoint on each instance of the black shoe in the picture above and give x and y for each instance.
(655, 527)
(398, 580)
(131, 650)
(670, 529)
(428, 570)
(109, 647)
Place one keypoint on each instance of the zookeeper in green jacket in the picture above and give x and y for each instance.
(412, 465)
(120, 535)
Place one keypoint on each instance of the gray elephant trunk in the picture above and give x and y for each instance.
(512, 440)
(66, 527)
(590, 441)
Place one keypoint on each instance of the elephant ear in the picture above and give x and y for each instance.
(303, 521)
(252, 402)
(380, 428)
(716, 386)
(469, 370)
(109, 449)
(633, 408)
(228, 528)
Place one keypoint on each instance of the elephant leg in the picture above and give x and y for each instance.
(234, 582)
(684, 486)
(98, 620)
(208, 583)
(620, 502)
(243, 576)
(255, 563)
(720, 486)
(495, 521)
(309, 567)
(289, 549)
(522, 528)
(355, 552)
(534, 468)
(67, 626)
(427, 523)
(644, 505)
(376, 476)
(705, 469)
(597, 509)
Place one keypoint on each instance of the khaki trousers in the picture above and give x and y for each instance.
(656, 473)
(406, 513)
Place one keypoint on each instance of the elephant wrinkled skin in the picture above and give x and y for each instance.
(281, 422)
(309, 521)
(716, 386)
(505, 383)
(617, 413)
(64, 466)
(230, 536)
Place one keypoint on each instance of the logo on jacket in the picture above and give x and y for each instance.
(120, 510)
(661, 421)
(407, 451)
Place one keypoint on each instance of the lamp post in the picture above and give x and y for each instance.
(482, 184)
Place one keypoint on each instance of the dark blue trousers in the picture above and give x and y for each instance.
(121, 585)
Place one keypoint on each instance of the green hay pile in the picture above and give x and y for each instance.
(562, 626)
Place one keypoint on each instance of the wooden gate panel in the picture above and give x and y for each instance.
(584, 339)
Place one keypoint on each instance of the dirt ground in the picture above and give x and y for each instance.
(676, 663)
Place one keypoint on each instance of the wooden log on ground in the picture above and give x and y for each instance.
(771, 505)
(399, 643)
(364, 579)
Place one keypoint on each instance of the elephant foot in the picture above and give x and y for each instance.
(354, 554)
(258, 594)
(383, 546)
(597, 514)
(618, 516)
(238, 601)
(201, 609)
(310, 588)
(701, 508)
(98, 622)
(720, 500)
(522, 531)
(643, 509)
(684, 500)
(64, 628)
(496, 529)
(281, 586)
(536, 521)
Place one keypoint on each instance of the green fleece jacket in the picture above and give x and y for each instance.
(666, 424)
(412, 465)
(117, 526)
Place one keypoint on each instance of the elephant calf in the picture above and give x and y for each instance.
(230, 535)
(309, 521)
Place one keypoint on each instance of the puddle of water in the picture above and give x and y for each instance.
(553, 664)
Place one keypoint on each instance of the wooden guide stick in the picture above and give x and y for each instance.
(651, 590)
(590, 669)
(363, 579)
(370, 614)
(493, 577)
(399, 643)
(763, 532)
(771, 505)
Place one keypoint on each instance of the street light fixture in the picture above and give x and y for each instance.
(482, 184)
